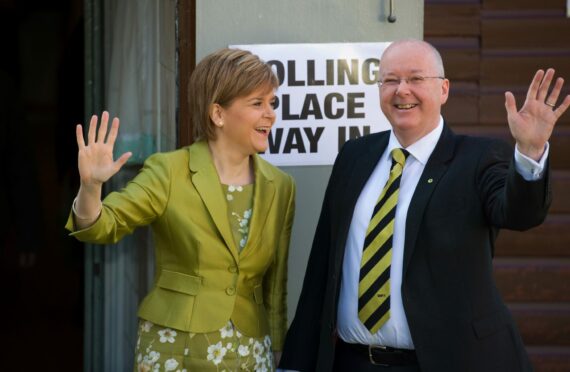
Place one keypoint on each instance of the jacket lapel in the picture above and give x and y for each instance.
(263, 195)
(435, 168)
(206, 181)
(362, 166)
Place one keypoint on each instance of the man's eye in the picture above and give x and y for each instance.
(390, 81)
(416, 79)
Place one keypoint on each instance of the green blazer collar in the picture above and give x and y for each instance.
(263, 196)
(205, 179)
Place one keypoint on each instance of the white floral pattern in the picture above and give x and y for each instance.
(258, 349)
(147, 361)
(243, 350)
(243, 223)
(225, 350)
(227, 331)
(170, 364)
(146, 326)
(216, 353)
(241, 218)
(167, 335)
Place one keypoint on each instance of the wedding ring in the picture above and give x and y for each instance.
(549, 104)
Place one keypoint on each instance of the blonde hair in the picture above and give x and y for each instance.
(220, 78)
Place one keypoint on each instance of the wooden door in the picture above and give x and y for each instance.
(489, 47)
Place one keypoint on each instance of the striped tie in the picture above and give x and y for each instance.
(374, 286)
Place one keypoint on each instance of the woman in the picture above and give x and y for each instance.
(221, 218)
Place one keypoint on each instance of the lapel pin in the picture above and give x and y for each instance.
(430, 180)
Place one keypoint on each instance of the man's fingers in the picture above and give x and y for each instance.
(563, 107)
(534, 85)
(510, 103)
(545, 85)
(553, 96)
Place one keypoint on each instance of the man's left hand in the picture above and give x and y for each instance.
(532, 125)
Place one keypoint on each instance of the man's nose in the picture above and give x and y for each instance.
(403, 87)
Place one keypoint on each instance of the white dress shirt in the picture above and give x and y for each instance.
(395, 332)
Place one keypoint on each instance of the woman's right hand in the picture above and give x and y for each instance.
(95, 159)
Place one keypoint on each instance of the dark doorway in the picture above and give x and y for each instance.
(41, 268)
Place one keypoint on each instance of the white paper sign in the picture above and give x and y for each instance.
(328, 94)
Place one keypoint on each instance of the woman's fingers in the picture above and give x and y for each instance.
(99, 135)
(91, 132)
(102, 133)
(79, 136)
(113, 132)
(122, 160)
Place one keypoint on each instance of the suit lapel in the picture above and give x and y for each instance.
(263, 195)
(435, 168)
(206, 181)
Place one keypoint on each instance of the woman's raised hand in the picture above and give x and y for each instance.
(95, 159)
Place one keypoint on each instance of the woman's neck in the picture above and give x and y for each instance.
(233, 168)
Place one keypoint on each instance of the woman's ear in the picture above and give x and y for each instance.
(216, 115)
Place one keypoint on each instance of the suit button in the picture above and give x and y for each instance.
(230, 291)
(232, 269)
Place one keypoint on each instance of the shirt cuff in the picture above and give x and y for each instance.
(528, 168)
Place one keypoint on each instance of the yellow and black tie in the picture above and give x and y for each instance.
(374, 285)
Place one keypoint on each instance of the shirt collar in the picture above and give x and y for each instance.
(421, 149)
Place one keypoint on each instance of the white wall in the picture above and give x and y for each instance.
(224, 22)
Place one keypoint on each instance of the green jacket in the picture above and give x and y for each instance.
(202, 279)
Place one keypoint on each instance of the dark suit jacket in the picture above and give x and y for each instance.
(458, 321)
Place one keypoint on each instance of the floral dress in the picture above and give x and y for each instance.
(227, 349)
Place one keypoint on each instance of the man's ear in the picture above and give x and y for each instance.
(445, 91)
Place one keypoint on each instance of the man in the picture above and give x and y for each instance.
(417, 293)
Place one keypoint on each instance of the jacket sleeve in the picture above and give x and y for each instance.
(302, 342)
(510, 201)
(301, 347)
(275, 279)
(139, 203)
